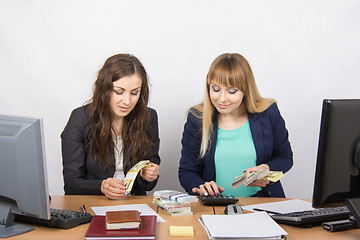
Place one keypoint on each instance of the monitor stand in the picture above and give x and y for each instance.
(354, 206)
(8, 227)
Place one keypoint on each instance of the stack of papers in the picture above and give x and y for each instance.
(286, 206)
(252, 225)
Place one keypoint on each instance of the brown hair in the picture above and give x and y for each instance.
(231, 70)
(135, 129)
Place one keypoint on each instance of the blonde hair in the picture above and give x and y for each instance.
(231, 70)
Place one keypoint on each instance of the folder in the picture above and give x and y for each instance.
(249, 226)
(97, 229)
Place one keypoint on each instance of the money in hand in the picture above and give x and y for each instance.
(248, 178)
(132, 173)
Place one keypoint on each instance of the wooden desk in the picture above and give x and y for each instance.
(162, 229)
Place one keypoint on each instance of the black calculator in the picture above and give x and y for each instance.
(220, 200)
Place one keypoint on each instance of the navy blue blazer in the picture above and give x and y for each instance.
(82, 175)
(271, 142)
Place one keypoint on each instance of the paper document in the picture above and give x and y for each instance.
(251, 225)
(144, 210)
(286, 206)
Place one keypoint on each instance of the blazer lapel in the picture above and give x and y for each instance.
(257, 135)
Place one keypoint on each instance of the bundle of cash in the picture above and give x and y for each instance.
(132, 173)
(175, 196)
(174, 202)
(173, 208)
(248, 178)
(274, 176)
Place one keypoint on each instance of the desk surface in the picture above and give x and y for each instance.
(162, 229)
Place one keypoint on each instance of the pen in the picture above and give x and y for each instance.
(271, 212)
(83, 209)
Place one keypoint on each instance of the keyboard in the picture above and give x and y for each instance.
(220, 200)
(312, 217)
(60, 218)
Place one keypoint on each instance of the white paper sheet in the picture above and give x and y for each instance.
(254, 225)
(144, 210)
(285, 206)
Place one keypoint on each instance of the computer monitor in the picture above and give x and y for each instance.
(23, 180)
(338, 160)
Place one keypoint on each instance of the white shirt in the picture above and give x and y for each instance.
(119, 159)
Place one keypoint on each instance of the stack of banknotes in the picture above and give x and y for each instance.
(174, 202)
(248, 178)
(132, 173)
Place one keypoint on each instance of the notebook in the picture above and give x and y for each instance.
(123, 220)
(97, 229)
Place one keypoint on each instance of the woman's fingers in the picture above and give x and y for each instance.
(113, 188)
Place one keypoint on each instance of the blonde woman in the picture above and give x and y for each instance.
(234, 130)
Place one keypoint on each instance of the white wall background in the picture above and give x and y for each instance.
(301, 52)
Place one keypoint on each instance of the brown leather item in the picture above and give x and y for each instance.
(129, 219)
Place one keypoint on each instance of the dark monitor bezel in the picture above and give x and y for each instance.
(335, 175)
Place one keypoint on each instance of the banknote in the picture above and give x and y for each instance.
(274, 176)
(248, 178)
(132, 173)
(175, 196)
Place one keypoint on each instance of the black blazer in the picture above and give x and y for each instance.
(81, 174)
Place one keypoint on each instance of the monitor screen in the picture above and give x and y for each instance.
(23, 180)
(338, 160)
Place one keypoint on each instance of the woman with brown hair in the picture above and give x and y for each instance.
(112, 132)
(234, 130)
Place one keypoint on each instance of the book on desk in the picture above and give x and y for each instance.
(97, 229)
(116, 220)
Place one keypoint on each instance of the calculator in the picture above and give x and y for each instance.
(220, 200)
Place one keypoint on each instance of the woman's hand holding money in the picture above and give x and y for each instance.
(260, 182)
(150, 172)
(113, 188)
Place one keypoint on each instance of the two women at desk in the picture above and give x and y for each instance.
(234, 129)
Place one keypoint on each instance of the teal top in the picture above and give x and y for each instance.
(235, 152)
